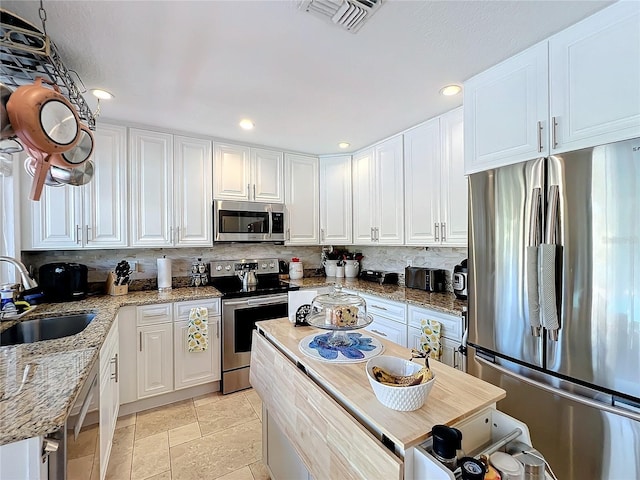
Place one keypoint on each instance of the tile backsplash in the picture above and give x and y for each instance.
(388, 258)
(101, 262)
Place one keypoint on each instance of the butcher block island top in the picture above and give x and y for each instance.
(455, 395)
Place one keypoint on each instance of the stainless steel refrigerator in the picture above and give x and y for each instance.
(554, 303)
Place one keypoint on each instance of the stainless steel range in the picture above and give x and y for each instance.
(251, 291)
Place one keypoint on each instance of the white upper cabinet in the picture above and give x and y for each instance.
(505, 111)
(454, 194)
(378, 199)
(151, 188)
(248, 174)
(267, 170)
(335, 200)
(435, 184)
(302, 199)
(577, 89)
(232, 172)
(91, 216)
(192, 192)
(170, 190)
(105, 197)
(594, 75)
(422, 162)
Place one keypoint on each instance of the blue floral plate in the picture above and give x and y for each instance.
(360, 348)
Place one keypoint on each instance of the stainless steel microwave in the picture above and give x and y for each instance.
(247, 221)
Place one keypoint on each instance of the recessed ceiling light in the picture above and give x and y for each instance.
(246, 124)
(450, 90)
(344, 144)
(102, 94)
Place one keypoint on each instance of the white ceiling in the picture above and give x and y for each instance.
(201, 66)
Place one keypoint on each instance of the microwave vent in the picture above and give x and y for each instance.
(348, 14)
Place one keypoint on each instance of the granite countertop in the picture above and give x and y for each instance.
(59, 368)
(445, 302)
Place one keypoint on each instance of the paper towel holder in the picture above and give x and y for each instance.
(164, 274)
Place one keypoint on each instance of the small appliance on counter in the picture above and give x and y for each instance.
(460, 277)
(429, 279)
(63, 282)
(387, 278)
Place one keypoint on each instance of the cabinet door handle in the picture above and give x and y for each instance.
(371, 235)
(177, 236)
(218, 329)
(254, 191)
(437, 231)
(554, 133)
(171, 238)
(378, 306)
(78, 234)
(377, 234)
(114, 375)
(322, 234)
(288, 234)
(443, 232)
(140, 341)
(87, 235)
(248, 191)
(539, 132)
(455, 359)
(379, 333)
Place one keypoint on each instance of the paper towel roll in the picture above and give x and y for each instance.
(164, 274)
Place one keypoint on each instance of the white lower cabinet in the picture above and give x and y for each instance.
(155, 359)
(109, 394)
(389, 319)
(196, 368)
(23, 460)
(450, 334)
(154, 338)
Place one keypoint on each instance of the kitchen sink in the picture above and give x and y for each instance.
(49, 328)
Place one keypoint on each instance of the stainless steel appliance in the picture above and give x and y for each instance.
(390, 278)
(461, 280)
(243, 304)
(429, 279)
(248, 221)
(63, 282)
(554, 310)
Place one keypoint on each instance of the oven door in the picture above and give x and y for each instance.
(239, 317)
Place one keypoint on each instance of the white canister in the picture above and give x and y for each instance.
(340, 271)
(330, 267)
(295, 270)
(351, 268)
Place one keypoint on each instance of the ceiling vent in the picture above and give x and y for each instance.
(348, 14)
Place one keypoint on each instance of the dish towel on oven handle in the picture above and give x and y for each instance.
(430, 338)
(197, 330)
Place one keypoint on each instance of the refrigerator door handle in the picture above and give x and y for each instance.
(533, 295)
(562, 393)
(547, 267)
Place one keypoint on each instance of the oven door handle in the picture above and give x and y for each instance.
(256, 301)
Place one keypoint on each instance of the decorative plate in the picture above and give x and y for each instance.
(360, 349)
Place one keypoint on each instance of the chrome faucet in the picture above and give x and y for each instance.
(27, 281)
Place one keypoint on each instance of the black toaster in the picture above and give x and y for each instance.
(429, 279)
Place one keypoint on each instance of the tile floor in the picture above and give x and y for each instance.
(207, 437)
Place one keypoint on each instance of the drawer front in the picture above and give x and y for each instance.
(389, 330)
(150, 314)
(380, 306)
(181, 310)
(451, 325)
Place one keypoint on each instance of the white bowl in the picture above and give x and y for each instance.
(404, 399)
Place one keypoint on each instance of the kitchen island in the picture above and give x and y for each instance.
(331, 417)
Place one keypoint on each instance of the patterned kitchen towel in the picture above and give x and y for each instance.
(430, 338)
(197, 332)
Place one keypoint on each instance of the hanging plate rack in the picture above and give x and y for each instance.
(27, 53)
